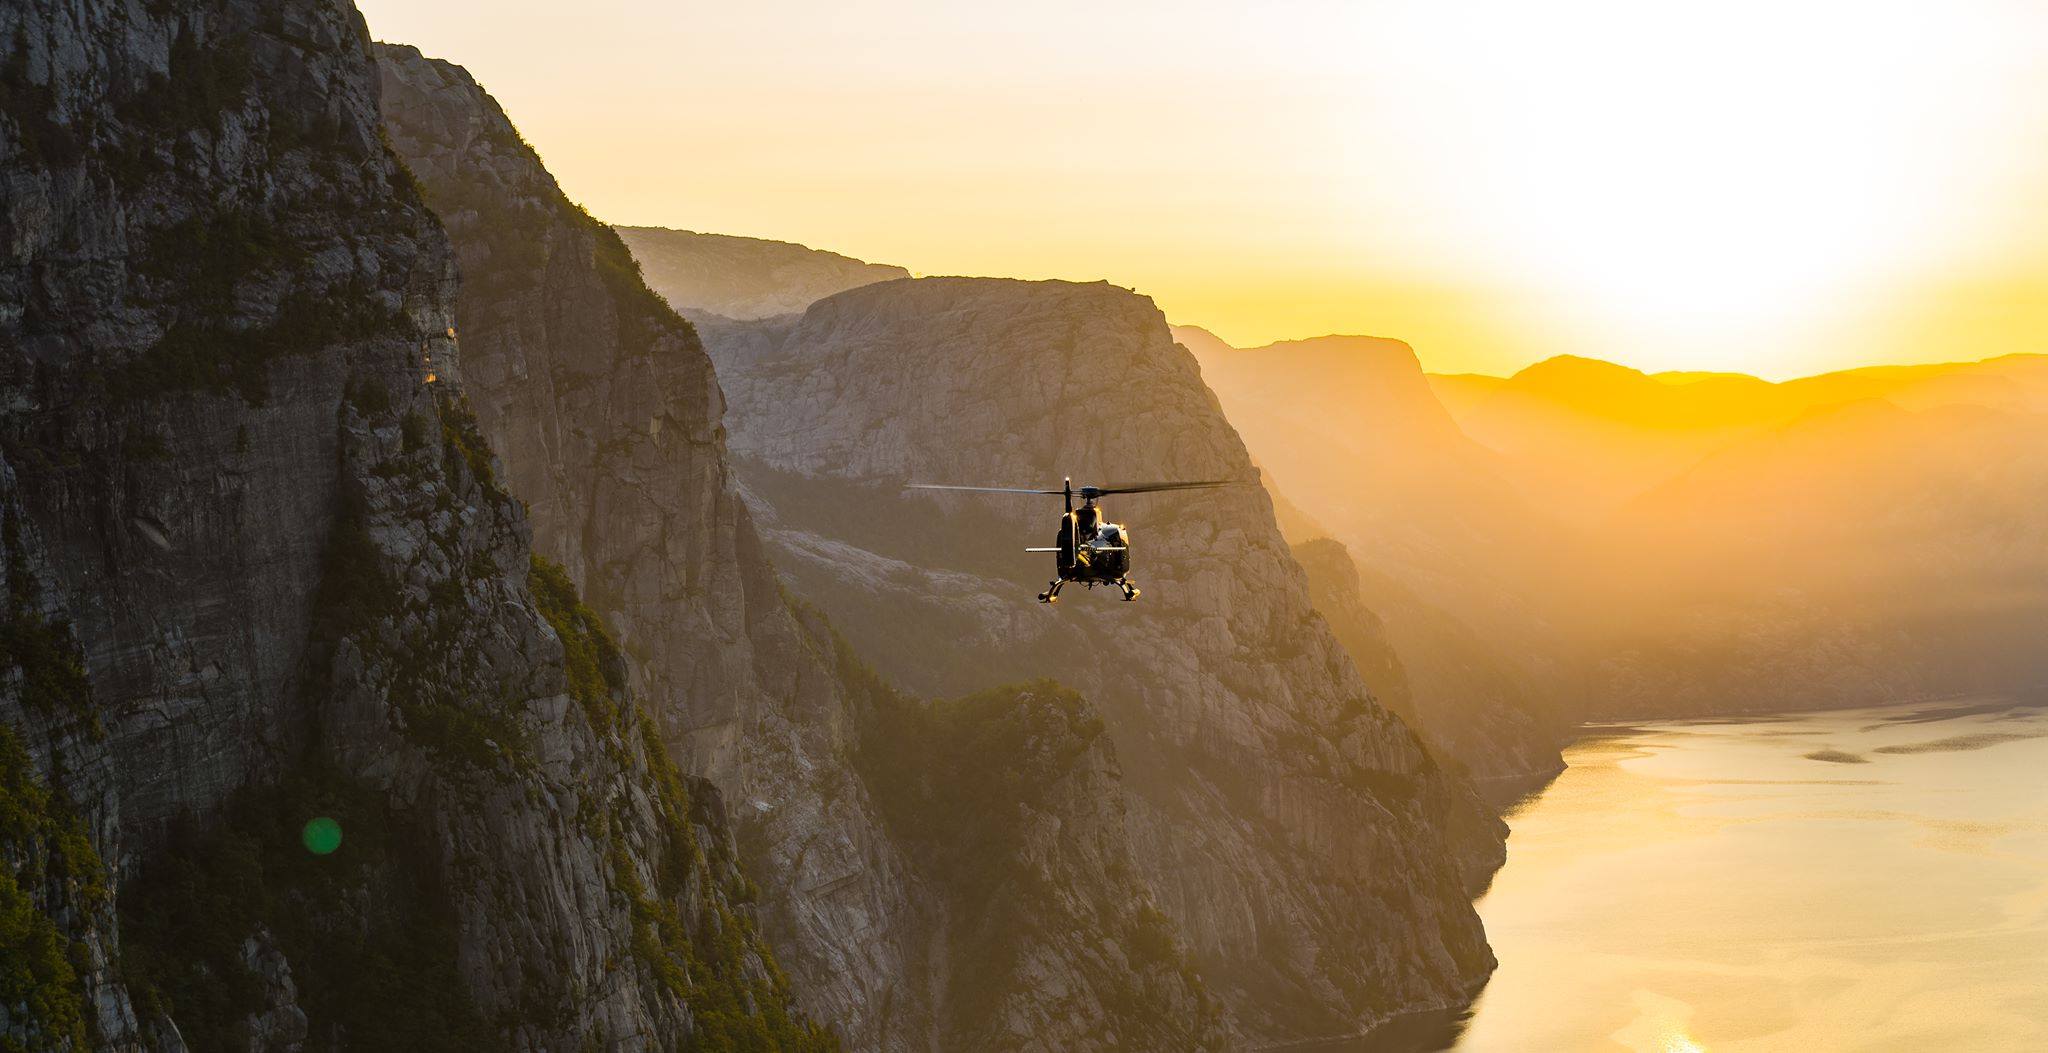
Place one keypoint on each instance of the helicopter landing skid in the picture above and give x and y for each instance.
(1052, 591)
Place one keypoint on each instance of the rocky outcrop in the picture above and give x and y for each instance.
(301, 744)
(605, 408)
(1311, 853)
(744, 278)
(1011, 799)
(1477, 715)
(608, 416)
(1446, 553)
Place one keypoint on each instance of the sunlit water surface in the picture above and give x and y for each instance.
(1863, 880)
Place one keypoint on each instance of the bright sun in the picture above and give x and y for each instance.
(1714, 183)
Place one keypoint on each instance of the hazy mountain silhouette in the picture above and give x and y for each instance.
(1675, 543)
(1586, 436)
(1860, 552)
(1348, 428)
(744, 278)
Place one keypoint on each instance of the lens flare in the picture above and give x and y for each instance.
(321, 836)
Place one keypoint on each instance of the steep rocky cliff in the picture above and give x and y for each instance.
(1011, 801)
(744, 278)
(1349, 428)
(1313, 855)
(608, 416)
(1468, 706)
(605, 408)
(299, 744)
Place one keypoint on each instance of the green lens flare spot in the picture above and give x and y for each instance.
(321, 836)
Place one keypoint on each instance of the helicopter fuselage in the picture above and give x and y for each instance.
(1091, 550)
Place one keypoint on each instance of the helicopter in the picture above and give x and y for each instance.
(1089, 548)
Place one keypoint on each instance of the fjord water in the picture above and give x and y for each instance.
(1873, 879)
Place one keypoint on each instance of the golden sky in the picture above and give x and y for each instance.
(1777, 187)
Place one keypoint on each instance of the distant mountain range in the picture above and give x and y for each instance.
(1578, 539)
(744, 278)
(1678, 542)
(1585, 435)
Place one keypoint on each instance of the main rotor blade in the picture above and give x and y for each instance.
(1147, 488)
(981, 489)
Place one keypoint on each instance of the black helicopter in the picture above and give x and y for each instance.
(1089, 549)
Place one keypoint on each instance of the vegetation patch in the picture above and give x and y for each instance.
(589, 656)
(359, 600)
(687, 937)
(721, 967)
(204, 350)
(643, 315)
(463, 440)
(962, 782)
(44, 651)
(43, 845)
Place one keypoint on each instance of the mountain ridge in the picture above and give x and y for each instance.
(1361, 444)
(744, 278)
(611, 423)
(1219, 688)
(296, 671)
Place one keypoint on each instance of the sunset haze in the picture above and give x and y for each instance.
(1772, 188)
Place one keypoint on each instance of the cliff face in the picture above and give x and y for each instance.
(744, 278)
(265, 592)
(1349, 428)
(1434, 673)
(1311, 853)
(609, 418)
(1011, 801)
